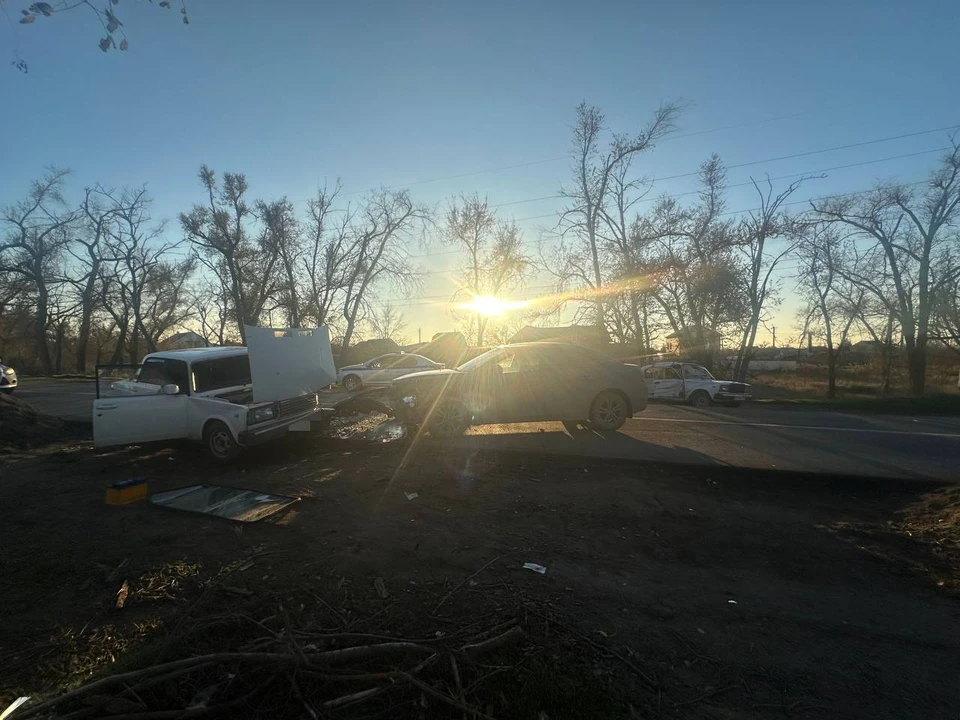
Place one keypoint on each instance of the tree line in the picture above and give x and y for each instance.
(101, 280)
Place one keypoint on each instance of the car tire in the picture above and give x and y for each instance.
(449, 419)
(352, 383)
(609, 411)
(220, 443)
(701, 399)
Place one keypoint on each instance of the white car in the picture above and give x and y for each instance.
(383, 370)
(8, 378)
(225, 397)
(691, 383)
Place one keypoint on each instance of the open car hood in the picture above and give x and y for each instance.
(289, 362)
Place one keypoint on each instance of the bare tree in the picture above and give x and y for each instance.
(281, 233)
(908, 233)
(595, 169)
(377, 252)
(37, 231)
(496, 261)
(149, 284)
(326, 254)
(766, 236)
(386, 321)
(242, 259)
(820, 280)
(698, 279)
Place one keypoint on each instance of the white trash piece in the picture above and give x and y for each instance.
(536, 568)
(412, 496)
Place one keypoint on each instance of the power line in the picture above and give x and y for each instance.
(543, 161)
(775, 159)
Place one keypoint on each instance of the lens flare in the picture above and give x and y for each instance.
(490, 306)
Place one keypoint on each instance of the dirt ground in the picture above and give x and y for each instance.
(669, 591)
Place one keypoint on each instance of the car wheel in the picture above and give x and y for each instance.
(701, 399)
(609, 411)
(351, 383)
(220, 443)
(449, 419)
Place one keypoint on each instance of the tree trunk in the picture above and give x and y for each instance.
(40, 332)
(831, 373)
(917, 362)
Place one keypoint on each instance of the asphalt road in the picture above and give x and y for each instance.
(753, 435)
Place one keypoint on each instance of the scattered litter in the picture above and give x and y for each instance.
(700, 630)
(224, 502)
(412, 496)
(732, 602)
(381, 588)
(410, 400)
(536, 568)
(473, 583)
(12, 707)
(122, 594)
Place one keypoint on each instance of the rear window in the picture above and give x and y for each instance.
(221, 373)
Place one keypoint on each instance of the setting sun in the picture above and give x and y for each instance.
(490, 306)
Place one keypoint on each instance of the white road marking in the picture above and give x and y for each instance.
(819, 428)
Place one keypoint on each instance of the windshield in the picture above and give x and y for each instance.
(696, 372)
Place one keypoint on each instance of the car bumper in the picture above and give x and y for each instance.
(273, 430)
(7, 382)
(731, 397)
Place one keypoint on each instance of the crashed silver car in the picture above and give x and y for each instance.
(383, 370)
(8, 378)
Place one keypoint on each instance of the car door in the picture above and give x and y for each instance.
(574, 378)
(405, 365)
(128, 419)
(381, 370)
(526, 390)
(669, 386)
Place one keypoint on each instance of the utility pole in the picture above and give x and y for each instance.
(419, 336)
(774, 330)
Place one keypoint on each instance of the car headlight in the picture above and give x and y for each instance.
(8, 371)
(724, 388)
(261, 414)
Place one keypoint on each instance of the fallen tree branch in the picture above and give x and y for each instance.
(373, 692)
(495, 643)
(444, 697)
(464, 582)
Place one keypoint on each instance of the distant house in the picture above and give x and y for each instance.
(686, 342)
(183, 341)
(587, 335)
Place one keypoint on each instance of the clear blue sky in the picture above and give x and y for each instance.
(385, 93)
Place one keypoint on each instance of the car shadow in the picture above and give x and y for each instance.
(551, 439)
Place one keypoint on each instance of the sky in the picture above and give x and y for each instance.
(453, 97)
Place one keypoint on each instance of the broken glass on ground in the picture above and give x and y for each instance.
(224, 502)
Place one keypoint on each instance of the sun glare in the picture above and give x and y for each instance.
(490, 306)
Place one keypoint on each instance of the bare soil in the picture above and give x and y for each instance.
(670, 591)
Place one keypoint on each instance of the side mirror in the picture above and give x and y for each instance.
(171, 389)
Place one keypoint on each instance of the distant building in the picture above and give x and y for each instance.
(587, 335)
(183, 341)
(685, 341)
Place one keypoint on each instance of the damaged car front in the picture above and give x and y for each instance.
(525, 382)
